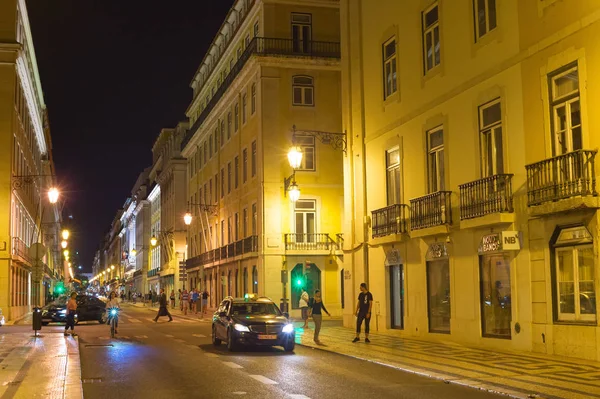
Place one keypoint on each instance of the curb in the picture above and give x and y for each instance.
(18, 319)
(73, 387)
(495, 389)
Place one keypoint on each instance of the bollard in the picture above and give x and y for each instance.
(37, 320)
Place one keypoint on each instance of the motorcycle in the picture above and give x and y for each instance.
(113, 316)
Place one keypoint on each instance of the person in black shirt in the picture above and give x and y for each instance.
(315, 307)
(363, 311)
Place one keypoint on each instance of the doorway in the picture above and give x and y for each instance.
(397, 296)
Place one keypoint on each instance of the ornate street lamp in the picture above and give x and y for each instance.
(65, 234)
(187, 218)
(153, 241)
(64, 244)
(53, 195)
(295, 157)
(294, 192)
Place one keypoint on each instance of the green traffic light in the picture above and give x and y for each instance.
(298, 282)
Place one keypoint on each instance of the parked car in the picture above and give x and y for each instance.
(252, 321)
(89, 308)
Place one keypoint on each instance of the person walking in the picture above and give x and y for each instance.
(303, 305)
(163, 310)
(205, 296)
(363, 312)
(185, 301)
(180, 301)
(195, 297)
(316, 307)
(71, 312)
(172, 298)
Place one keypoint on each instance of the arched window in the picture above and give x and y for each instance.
(303, 91)
(245, 284)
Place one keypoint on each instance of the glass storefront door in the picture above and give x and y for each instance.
(438, 296)
(494, 273)
(397, 296)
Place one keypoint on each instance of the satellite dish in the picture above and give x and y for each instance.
(37, 251)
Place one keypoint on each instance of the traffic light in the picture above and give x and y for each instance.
(59, 288)
(299, 282)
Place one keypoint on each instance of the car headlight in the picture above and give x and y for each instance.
(63, 311)
(241, 328)
(288, 328)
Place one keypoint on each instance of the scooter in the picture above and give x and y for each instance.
(113, 316)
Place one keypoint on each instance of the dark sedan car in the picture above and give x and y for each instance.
(89, 308)
(252, 321)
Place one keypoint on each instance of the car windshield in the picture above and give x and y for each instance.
(254, 308)
(60, 301)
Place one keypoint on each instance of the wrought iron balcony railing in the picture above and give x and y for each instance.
(389, 220)
(431, 210)
(229, 251)
(265, 46)
(484, 196)
(21, 249)
(309, 241)
(564, 176)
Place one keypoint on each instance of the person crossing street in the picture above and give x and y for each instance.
(363, 312)
(163, 310)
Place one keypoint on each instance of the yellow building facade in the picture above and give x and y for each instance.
(26, 172)
(470, 181)
(273, 65)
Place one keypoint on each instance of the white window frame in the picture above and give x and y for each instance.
(484, 13)
(436, 182)
(567, 101)
(390, 69)
(309, 152)
(305, 212)
(244, 107)
(487, 133)
(391, 170)
(304, 87)
(576, 316)
(253, 99)
(430, 31)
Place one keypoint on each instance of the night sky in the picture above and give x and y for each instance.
(114, 72)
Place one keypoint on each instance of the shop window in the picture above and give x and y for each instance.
(573, 276)
(494, 272)
(438, 296)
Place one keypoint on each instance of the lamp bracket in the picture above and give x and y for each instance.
(336, 140)
(213, 209)
(288, 181)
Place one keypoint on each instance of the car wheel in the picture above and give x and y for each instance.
(231, 344)
(215, 340)
(289, 346)
(45, 323)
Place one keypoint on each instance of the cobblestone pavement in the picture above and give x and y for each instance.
(44, 367)
(521, 375)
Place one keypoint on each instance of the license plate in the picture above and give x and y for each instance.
(267, 336)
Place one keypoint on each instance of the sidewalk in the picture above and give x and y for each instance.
(43, 367)
(520, 375)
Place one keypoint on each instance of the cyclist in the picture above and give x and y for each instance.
(113, 302)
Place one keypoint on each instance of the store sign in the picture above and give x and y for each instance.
(437, 250)
(504, 241)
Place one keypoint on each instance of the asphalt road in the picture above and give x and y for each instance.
(174, 360)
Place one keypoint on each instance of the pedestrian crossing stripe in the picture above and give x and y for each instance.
(199, 335)
(132, 320)
(141, 336)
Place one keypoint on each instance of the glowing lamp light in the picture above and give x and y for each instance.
(187, 218)
(112, 267)
(53, 195)
(65, 234)
(133, 252)
(294, 192)
(66, 253)
(295, 157)
(153, 241)
(64, 244)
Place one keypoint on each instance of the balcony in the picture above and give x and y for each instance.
(390, 220)
(431, 211)
(488, 196)
(20, 252)
(309, 242)
(153, 272)
(570, 176)
(245, 246)
(264, 46)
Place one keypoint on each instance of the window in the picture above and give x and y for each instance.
(245, 222)
(244, 101)
(575, 294)
(222, 182)
(245, 278)
(210, 185)
(229, 230)
(393, 176)
(216, 141)
(216, 188)
(205, 153)
(205, 200)
(253, 99)
(305, 212)
(254, 280)
(565, 110)
(301, 32)
(490, 136)
(210, 146)
(236, 121)
(236, 226)
(236, 171)
(247, 40)
(244, 165)
(494, 274)
(228, 177)
(307, 144)
(254, 219)
(485, 16)
(438, 296)
(431, 38)
(390, 80)
(303, 91)
(229, 125)
(256, 29)
(222, 132)
(223, 232)
(254, 158)
(435, 159)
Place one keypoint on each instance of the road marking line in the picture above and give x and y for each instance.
(125, 337)
(132, 320)
(192, 346)
(105, 338)
(199, 335)
(169, 336)
(141, 336)
(299, 397)
(263, 379)
(211, 355)
(185, 320)
(232, 365)
(179, 340)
